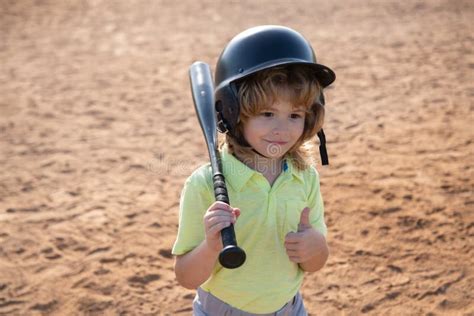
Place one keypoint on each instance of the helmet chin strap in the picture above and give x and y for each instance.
(322, 148)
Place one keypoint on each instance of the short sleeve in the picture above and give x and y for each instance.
(316, 203)
(195, 199)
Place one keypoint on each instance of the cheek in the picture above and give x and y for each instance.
(299, 128)
(249, 130)
(253, 126)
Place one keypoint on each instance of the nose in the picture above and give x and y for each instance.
(281, 127)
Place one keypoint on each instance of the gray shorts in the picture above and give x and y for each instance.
(206, 304)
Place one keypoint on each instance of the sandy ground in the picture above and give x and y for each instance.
(98, 133)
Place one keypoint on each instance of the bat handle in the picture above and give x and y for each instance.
(231, 256)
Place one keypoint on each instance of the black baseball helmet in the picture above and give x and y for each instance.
(253, 50)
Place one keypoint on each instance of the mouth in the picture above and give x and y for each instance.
(276, 142)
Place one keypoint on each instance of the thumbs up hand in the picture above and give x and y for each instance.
(306, 243)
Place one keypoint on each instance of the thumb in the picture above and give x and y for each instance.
(304, 220)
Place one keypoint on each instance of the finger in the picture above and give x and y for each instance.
(216, 228)
(292, 237)
(215, 219)
(221, 206)
(292, 252)
(236, 212)
(296, 252)
(292, 246)
(296, 256)
(295, 259)
(304, 219)
(218, 212)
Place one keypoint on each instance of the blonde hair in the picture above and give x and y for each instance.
(295, 83)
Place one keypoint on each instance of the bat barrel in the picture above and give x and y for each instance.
(202, 89)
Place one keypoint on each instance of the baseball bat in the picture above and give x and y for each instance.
(202, 87)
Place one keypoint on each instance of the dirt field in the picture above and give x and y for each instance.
(98, 133)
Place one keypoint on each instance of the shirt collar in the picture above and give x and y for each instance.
(291, 169)
(237, 174)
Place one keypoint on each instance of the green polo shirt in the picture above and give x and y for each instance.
(267, 279)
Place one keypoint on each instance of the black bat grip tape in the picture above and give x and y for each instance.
(231, 255)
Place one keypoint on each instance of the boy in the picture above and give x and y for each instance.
(269, 103)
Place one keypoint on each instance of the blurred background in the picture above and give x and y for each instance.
(98, 134)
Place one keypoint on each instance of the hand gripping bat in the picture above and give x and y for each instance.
(202, 87)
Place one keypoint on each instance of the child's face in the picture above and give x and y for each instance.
(275, 129)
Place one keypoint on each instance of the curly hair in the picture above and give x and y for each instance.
(295, 83)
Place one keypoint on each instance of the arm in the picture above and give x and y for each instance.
(317, 229)
(195, 267)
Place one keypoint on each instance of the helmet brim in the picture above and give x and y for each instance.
(323, 74)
